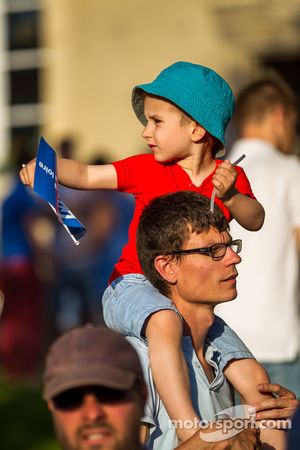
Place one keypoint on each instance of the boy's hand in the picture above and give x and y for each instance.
(27, 173)
(281, 407)
(224, 180)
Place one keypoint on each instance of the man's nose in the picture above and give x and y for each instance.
(91, 408)
(233, 257)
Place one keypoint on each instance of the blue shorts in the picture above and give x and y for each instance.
(131, 299)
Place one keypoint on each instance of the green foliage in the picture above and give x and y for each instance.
(25, 421)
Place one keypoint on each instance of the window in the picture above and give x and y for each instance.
(23, 86)
(23, 30)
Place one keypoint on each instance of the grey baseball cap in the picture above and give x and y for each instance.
(90, 355)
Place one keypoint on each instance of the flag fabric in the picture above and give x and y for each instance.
(45, 179)
(72, 223)
(46, 186)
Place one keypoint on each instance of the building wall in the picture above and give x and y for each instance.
(99, 49)
(91, 53)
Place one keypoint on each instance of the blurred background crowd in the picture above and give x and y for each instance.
(67, 68)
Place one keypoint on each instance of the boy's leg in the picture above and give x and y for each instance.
(134, 307)
(163, 331)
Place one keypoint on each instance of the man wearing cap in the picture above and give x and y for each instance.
(94, 387)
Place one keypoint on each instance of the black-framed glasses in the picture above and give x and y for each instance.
(216, 251)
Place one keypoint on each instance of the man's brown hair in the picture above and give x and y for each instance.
(167, 223)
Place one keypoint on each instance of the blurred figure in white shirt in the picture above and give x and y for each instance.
(266, 312)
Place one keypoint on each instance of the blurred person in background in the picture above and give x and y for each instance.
(82, 271)
(294, 433)
(24, 230)
(94, 388)
(266, 313)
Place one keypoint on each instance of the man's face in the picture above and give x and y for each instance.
(93, 418)
(200, 279)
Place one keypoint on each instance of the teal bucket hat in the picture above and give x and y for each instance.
(197, 90)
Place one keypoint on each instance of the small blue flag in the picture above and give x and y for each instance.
(46, 186)
(45, 179)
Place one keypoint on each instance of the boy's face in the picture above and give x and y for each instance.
(167, 137)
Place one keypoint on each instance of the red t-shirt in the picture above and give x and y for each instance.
(145, 178)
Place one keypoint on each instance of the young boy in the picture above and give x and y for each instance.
(185, 111)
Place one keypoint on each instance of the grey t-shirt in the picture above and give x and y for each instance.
(208, 398)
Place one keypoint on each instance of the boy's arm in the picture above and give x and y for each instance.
(247, 211)
(76, 175)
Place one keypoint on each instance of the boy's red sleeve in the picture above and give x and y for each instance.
(129, 173)
(242, 183)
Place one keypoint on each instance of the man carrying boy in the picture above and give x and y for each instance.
(186, 251)
(185, 111)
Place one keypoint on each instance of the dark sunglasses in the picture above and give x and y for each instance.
(74, 398)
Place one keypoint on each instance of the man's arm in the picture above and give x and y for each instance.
(271, 401)
(283, 406)
(245, 375)
(245, 440)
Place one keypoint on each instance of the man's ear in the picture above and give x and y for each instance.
(166, 267)
(198, 132)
